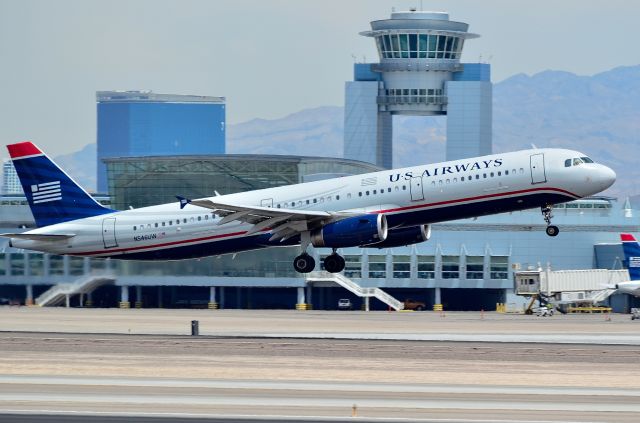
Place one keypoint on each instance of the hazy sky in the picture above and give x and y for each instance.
(269, 58)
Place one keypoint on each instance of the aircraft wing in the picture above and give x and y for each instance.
(39, 237)
(283, 223)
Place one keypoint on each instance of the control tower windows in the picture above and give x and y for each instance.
(423, 46)
(404, 46)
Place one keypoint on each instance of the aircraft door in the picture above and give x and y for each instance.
(538, 174)
(267, 202)
(415, 187)
(109, 232)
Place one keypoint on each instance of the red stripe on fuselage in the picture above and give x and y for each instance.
(145, 247)
(23, 149)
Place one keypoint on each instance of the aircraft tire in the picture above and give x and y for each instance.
(304, 263)
(334, 263)
(552, 230)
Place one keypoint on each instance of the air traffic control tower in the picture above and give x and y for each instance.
(419, 74)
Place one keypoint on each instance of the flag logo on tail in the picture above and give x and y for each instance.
(46, 192)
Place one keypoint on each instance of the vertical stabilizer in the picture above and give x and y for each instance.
(52, 195)
(631, 255)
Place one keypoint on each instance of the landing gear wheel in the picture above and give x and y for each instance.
(334, 263)
(552, 230)
(547, 215)
(304, 263)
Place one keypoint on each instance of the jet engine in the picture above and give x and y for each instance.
(405, 236)
(351, 232)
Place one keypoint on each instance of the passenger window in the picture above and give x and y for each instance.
(448, 181)
(307, 201)
(184, 220)
(521, 171)
(134, 228)
(506, 172)
(192, 220)
(315, 200)
(499, 173)
(293, 204)
(397, 188)
(462, 179)
(484, 175)
(156, 224)
(360, 194)
(389, 189)
(170, 222)
(375, 191)
(349, 195)
(491, 174)
(440, 182)
(199, 218)
(478, 176)
(404, 187)
(206, 217)
(455, 180)
(367, 192)
(337, 197)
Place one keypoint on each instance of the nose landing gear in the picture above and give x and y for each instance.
(547, 214)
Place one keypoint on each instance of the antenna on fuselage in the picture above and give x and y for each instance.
(534, 146)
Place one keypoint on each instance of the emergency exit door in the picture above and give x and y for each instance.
(109, 232)
(415, 186)
(538, 174)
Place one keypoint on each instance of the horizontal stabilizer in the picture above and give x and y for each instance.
(39, 237)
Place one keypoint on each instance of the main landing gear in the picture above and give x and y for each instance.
(304, 263)
(547, 214)
(333, 263)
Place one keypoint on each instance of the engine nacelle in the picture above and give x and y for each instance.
(351, 232)
(405, 236)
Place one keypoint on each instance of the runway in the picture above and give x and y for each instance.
(234, 376)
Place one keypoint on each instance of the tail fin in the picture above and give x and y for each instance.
(53, 196)
(631, 250)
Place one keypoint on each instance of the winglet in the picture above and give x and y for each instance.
(183, 201)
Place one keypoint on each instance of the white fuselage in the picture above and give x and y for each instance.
(407, 197)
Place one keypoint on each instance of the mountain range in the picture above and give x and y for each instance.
(598, 115)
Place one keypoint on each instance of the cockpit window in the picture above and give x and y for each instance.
(577, 161)
(567, 163)
(586, 160)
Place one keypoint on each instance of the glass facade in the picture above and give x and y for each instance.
(146, 181)
(419, 46)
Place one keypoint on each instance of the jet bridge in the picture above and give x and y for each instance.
(564, 287)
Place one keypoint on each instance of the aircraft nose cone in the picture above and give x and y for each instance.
(607, 176)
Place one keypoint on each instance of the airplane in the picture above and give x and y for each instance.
(382, 209)
(631, 249)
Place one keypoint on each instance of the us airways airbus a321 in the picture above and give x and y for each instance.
(379, 210)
